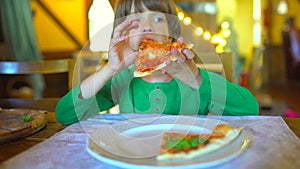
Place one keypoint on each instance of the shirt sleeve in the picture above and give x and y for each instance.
(71, 108)
(225, 98)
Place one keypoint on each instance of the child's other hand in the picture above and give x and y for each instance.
(120, 54)
(184, 68)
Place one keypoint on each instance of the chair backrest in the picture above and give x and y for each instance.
(88, 62)
(222, 64)
(39, 67)
(36, 67)
(46, 104)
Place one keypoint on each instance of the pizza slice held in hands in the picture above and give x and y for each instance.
(152, 55)
(178, 146)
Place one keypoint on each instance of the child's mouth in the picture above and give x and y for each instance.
(149, 39)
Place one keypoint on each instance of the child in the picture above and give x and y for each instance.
(179, 88)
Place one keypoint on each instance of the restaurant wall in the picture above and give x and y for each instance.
(51, 37)
(272, 23)
(277, 21)
(72, 13)
(240, 11)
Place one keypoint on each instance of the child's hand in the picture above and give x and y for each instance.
(184, 68)
(120, 54)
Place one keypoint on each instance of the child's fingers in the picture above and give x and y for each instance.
(124, 28)
(133, 25)
(119, 29)
(116, 40)
(180, 57)
(130, 58)
(171, 68)
(180, 40)
(189, 54)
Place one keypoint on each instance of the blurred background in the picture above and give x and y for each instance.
(262, 36)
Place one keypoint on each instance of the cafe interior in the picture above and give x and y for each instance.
(47, 47)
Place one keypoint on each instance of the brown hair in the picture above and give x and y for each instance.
(123, 8)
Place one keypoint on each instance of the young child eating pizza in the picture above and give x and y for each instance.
(177, 87)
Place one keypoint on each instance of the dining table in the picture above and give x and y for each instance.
(272, 142)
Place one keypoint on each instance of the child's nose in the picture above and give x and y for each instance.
(147, 26)
(147, 29)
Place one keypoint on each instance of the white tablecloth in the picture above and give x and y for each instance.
(273, 145)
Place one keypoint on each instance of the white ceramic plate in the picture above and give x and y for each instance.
(134, 144)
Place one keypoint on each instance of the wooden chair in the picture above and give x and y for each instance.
(36, 67)
(222, 64)
(88, 62)
(46, 104)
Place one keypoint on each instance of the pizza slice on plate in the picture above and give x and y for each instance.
(152, 55)
(178, 146)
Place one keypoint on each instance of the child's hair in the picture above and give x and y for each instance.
(123, 8)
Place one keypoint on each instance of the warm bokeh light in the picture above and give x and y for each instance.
(219, 49)
(257, 34)
(256, 10)
(218, 39)
(225, 25)
(199, 31)
(226, 33)
(206, 35)
(222, 42)
(282, 7)
(187, 20)
(180, 15)
(257, 31)
(103, 10)
(215, 39)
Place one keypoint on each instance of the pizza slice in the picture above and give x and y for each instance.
(178, 146)
(152, 55)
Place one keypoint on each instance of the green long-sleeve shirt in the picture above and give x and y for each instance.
(134, 95)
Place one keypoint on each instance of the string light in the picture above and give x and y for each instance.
(222, 42)
(215, 39)
(199, 31)
(219, 49)
(206, 35)
(226, 33)
(187, 20)
(225, 25)
(180, 16)
(218, 39)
